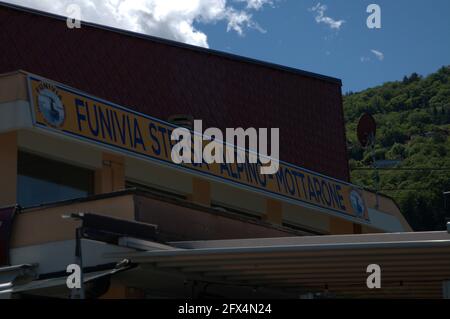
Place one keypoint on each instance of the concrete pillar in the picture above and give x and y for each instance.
(274, 211)
(8, 168)
(111, 177)
(201, 191)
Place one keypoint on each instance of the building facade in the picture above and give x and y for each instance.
(84, 130)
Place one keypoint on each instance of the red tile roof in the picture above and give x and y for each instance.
(161, 78)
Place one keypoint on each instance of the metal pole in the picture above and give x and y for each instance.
(79, 293)
(445, 209)
(377, 174)
(446, 284)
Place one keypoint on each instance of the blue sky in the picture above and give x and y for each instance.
(415, 34)
(415, 37)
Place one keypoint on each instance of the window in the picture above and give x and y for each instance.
(41, 180)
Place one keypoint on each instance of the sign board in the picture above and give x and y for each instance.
(64, 110)
(366, 130)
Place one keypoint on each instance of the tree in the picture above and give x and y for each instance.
(413, 119)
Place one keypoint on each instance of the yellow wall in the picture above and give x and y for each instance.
(388, 206)
(274, 211)
(119, 290)
(339, 226)
(201, 191)
(8, 169)
(111, 177)
(44, 225)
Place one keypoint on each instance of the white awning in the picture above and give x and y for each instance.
(413, 265)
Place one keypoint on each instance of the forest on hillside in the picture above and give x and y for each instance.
(412, 145)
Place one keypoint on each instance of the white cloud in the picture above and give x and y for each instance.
(174, 19)
(238, 20)
(378, 54)
(256, 4)
(320, 9)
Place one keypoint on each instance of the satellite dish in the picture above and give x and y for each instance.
(367, 129)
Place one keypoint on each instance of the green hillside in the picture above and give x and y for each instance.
(413, 117)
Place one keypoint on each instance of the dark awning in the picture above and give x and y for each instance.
(413, 265)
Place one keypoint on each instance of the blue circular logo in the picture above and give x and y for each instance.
(357, 203)
(51, 107)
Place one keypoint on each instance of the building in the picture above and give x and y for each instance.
(85, 162)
